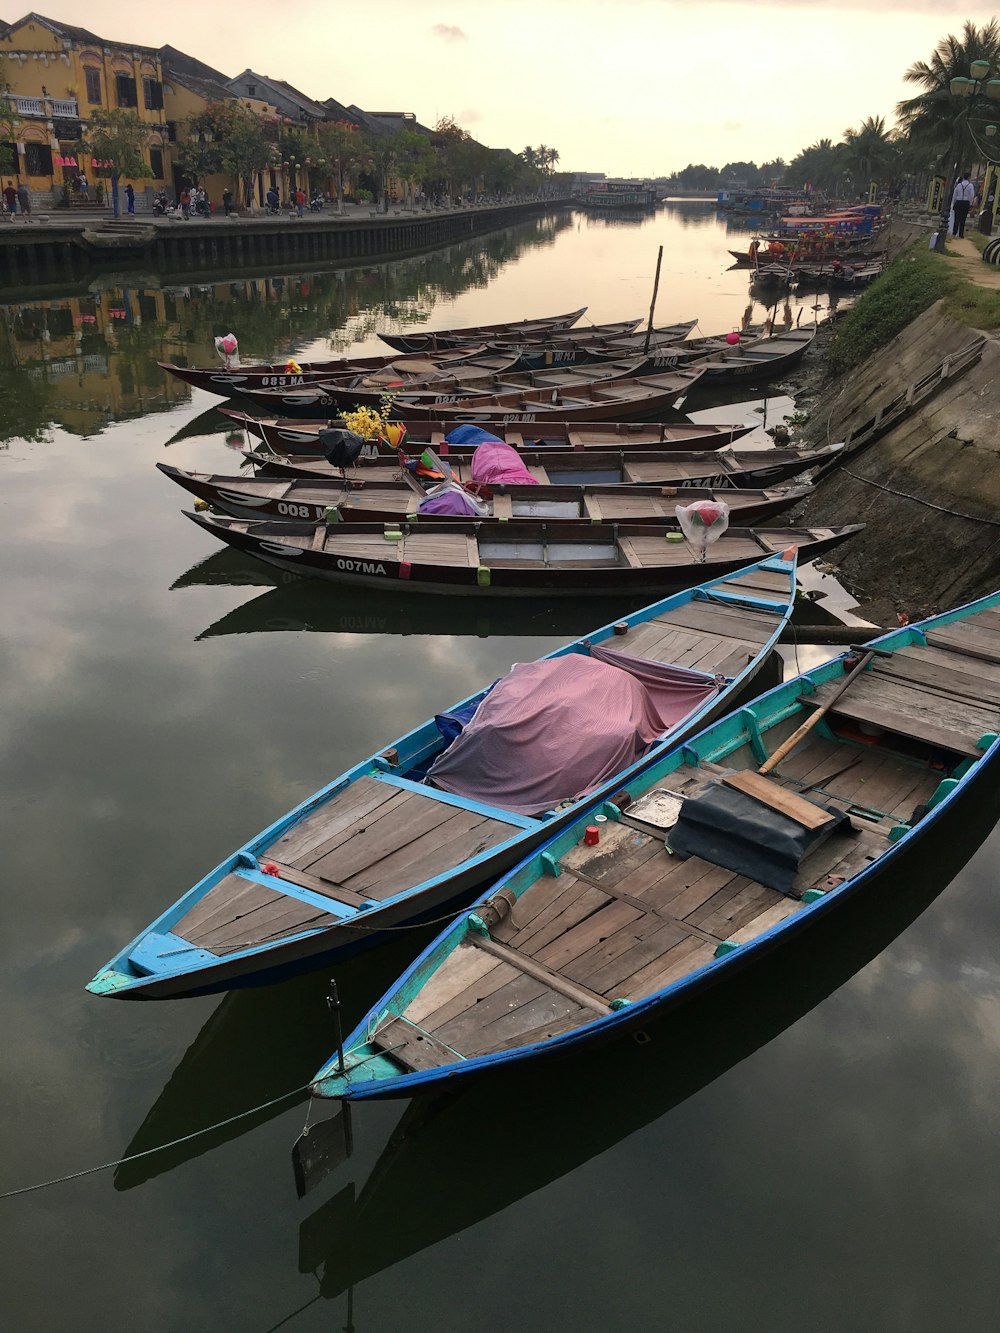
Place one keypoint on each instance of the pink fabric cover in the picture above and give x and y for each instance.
(495, 464)
(555, 730)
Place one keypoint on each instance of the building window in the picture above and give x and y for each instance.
(251, 90)
(152, 93)
(93, 77)
(171, 128)
(38, 159)
(125, 90)
(156, 164)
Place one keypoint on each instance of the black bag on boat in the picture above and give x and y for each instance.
(740, 833)
(340, 447)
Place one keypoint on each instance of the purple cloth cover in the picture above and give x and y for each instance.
(554, 730)
(496, 464)
(451, 503)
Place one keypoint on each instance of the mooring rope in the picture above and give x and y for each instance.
(928, 504)
(160, 1147)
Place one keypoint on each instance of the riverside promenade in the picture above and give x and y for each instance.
(56, 245)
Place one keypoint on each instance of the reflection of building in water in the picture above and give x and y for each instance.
(89, 358)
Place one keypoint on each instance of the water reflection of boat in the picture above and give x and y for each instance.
(304, 606)
(230, 568)
(353, 1238)
(256, 1046)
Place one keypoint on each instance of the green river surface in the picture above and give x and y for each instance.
(812, 1149)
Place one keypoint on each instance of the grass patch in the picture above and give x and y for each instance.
(979, 307)
(913, 281)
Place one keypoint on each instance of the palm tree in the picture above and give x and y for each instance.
(869, 152)
(935, 120)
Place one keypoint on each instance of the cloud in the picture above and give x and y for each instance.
(448, 32)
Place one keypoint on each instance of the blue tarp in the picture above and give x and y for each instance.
(471, 435)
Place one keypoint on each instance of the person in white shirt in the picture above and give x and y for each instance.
(961, 202)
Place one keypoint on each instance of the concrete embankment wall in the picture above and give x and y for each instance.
(40, 253)
(929, 489)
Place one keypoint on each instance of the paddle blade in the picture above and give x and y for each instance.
(321, 1148)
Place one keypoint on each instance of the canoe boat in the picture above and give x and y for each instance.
(763, 360)
(302, 437)
(667, 348)
(395, 501)
(489, 373)
(396, 837)
(276, 375)
(612, 400)
(522, 329)
(702, 866)
(742, 469)
(516, 559)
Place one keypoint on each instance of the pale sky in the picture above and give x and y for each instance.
(628, 87)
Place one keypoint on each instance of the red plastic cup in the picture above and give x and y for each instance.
(592, 836)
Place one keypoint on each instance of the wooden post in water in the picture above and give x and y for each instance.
(652, 304)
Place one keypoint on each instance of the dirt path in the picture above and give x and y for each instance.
(965, 256)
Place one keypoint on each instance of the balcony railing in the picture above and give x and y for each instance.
(64, 107)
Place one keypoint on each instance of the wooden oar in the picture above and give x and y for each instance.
(867, 654)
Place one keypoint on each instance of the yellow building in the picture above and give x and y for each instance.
(54, 74)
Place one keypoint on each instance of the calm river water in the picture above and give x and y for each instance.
(819, 1152)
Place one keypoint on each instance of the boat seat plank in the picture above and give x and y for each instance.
(953, 661)
(459, 839)
(493, 978)
(572, 903)
(266, 925)
(541, 970)
(231, 897)
(361, 798)
(735, 622)
(578, 906)
(772, 794)
(774, 914)
(413, 1047)
(937, 679)
(620, 851)
(547, 1009)
(955, 726)
(963, 638)
(685, 957)
(391, 811)
(319, 885)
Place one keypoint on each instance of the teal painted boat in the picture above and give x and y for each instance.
(464, 796)
(736, 842)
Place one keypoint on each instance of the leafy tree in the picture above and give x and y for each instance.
(345, 151)
(415, 158)
(821, 165)
(935, 119)
(382, 154)
(117, 136)
(247, 149)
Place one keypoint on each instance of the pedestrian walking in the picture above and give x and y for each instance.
(24, 201)
(83, 188)
(10, 198)
(300, 203)
(130, 198)
(227, 200)
(961, 202)
(185, 203)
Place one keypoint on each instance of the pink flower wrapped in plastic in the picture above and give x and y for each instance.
(703, 523)
(229, 349)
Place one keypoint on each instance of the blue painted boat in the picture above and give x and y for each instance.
(704, 866)
(384, 845)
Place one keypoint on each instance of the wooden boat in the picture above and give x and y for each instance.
(578, 346)
(516, 330)
(515, 559)
(613, 400)
(302, 437)
(276, 375)
(592, 935)
(490, 373)
(312, 501)
(765, 359)
(719, 469)
(379, 846)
